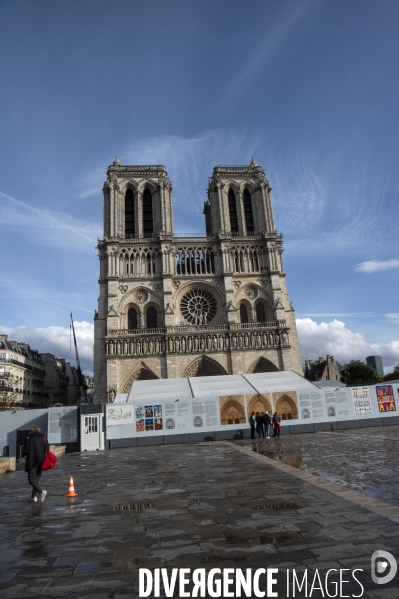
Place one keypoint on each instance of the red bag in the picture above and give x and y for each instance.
(49, 460)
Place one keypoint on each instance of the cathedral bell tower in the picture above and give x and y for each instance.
(239, 202)
(137, 202)
(182, 307)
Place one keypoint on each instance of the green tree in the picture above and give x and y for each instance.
(359, 373)
(392, 376)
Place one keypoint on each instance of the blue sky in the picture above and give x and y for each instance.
(309, 88)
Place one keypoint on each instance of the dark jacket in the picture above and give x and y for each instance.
(259, 423)
(35, 449)
(266, 420)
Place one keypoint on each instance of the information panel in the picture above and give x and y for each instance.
(165, 417)
(63, 424)
(324, 404)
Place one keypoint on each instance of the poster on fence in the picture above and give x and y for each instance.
(163, 417)
(361, 400)
(385, 397)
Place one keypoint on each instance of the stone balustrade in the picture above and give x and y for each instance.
(274, 324)
(160, 341)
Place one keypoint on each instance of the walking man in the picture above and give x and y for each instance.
(35, 449)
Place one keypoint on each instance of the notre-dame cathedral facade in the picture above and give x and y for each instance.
(190, 306)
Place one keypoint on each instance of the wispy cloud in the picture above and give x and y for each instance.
(275, 38)
(393, 317)
(189, 162)
(47, 228)
(371, 266)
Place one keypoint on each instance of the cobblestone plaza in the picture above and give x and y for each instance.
(314, 501)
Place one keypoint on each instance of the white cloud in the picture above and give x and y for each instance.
(56, 340)
(336, 339)
(371, 266)
(49, 228)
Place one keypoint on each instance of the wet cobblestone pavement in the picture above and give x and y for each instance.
(366, 460)
(206, 506)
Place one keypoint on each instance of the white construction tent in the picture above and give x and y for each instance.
(218, 407)
(202, 386)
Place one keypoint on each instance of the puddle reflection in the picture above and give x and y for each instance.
(364, 463)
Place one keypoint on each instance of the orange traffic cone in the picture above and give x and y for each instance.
(71, 489)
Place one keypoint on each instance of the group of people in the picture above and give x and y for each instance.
(262, 424)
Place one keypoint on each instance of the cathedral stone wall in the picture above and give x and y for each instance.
(174, 307)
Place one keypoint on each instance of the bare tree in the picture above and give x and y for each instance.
(9, 396)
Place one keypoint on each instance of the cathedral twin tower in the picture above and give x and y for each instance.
(182, 307)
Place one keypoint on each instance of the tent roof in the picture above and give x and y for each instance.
(204, 386)
(328, 383)
(159, 389)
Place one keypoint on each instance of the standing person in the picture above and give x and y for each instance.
(268, 424)
(35, 449)
(259, 426)
(252, 425)
(276, 425)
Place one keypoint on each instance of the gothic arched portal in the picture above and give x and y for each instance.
(286, 408)
(259, 404)
(143, 373)
(262, 365)
(204, 366)
(232, 412)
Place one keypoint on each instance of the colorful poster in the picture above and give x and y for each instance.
(140, 425)
(386, 400)
(361, 400)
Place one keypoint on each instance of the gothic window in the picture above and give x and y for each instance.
(198, 306)
(194, 261)
(152, 318)
(233, 213)
(249, 219)
(243, 313)
(150, 264)
(132, 319)
(147, 213)
(129, 213)
(253, 260)
(260, 312)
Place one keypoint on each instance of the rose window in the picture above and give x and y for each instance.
(198, 306)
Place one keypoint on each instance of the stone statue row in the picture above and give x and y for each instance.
(195, 343)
